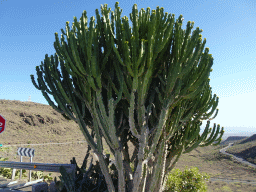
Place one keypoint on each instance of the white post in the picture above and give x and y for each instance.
(30, 170)
(21, 169)
(29, 98)
(13, 174)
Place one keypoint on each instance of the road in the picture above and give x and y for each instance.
(237, 158)
(223, 151)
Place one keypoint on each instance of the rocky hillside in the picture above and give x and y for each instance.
(250, 139)
(232, 139)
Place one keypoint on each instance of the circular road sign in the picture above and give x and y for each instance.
(2, 124)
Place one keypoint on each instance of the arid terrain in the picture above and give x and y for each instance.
(29, 123)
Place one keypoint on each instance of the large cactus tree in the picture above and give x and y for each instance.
(151, 89)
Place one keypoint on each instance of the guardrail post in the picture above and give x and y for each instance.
(13, 174)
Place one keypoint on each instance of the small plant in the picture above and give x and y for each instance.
(40, 175)
(29, 142)
(2, 149)
(7, 173)
(188, 181)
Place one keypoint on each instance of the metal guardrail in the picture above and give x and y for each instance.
(70, 168)
(38, 166)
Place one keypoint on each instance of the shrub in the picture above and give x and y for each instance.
(7, 173)
(188, 181)
(40, 175)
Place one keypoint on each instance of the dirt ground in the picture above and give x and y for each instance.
(32, 123)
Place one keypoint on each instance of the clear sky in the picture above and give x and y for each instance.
(27, 34)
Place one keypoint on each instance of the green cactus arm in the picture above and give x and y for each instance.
(81, 30)
(89, 37)
(186, 38)
(172, 77)
(135, 38)
(200, 79)
(177, 153)
(43, 86)
(217, 110)
(110, 119)
(75, 54)
(53, 69)
(103, 128)
(212, 133)
(94, 62)
(140, 59)
(194, 83)
(81, 123)
(121, 83)
(150, 37)
(158, 27)
(192, 136)
(117, 149)
(204, 101)
(86, 90)
(126, 59)
(117, 16)
(214, 106)
(102, 111)
(145, 85)
(177, 41)
(159, 95)
(131, 117)
(168, 28)
(201, 138)
(178, 87)
(220, 137)
(161, 124)
(190, 111)
(57, 46)
(99, 143)
(65, 49)
(211, 139)
(192, 62)
(184, 141)
(95, 72)
(195, 92)
(55, 81)
(206, 60)
(204, 110)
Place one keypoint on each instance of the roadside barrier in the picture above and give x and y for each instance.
(36, 185)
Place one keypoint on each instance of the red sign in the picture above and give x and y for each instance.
(2, 124)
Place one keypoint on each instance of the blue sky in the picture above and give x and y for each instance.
(27, 34)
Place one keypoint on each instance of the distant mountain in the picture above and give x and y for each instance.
(232, 139)
(252, 138)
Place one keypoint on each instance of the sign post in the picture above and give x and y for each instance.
(2, 124)
(24, 152)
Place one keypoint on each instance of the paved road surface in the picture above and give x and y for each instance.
(237, 158)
